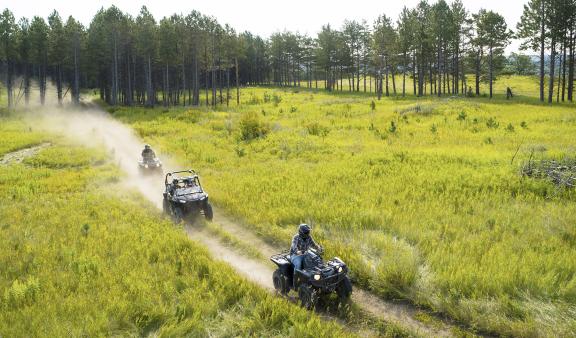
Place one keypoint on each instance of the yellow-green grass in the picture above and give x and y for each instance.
(81, 256)
(419, 196)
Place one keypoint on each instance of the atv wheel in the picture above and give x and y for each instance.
(208, 212)
(307, 296)
(344, 289)
(280, 284)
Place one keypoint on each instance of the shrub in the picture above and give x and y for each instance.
(317, 129)
(492, 123)
(276, 99)
(251, 127)
(254, 100)
(22, 293)
(392, 127)
(462, 116)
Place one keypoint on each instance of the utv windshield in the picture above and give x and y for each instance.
(188, 186)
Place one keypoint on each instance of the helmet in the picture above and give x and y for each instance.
(304, 230)
(146, 146)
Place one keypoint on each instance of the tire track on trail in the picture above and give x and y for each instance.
(20, 155)
(94, 126)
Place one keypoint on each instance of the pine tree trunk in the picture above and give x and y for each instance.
(439, 72)
(27, 83)
(59, 84)
(183, 82)
(404, 76)
(478, 60)
(9, 84)
(394, 82)
(564, 73)
(238, 82)
(571, 68)
(227, 87)
(491, 72)
(552, 69)
(129, 83)
(542, 49)
(150, 91)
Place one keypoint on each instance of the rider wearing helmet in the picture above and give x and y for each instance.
(301, 242)
(148, 153)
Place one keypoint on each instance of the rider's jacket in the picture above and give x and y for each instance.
(302, 244)
(148, 153)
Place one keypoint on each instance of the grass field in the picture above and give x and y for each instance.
(422, 197)
(81, 256)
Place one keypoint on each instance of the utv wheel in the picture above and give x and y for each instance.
(208, 212)
(344, 289)
(177, 215)
(279, 281)
(165, 206)
(307, 296)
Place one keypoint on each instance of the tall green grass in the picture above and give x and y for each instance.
(82, 256)
(420, 196)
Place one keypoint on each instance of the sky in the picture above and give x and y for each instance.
(262, 17)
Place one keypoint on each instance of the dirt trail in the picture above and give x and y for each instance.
(401, 314)
(19, 155)
(93, 126)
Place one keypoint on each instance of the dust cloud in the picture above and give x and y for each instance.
(94, 127)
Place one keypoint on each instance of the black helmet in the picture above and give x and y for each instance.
(304, 230)
(146, 146)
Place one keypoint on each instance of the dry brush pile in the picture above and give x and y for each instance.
(560, 172)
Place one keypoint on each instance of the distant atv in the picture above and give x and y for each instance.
(149, 165)
(318, 279)
(184, 196)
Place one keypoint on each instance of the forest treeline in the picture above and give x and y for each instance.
(431, 49)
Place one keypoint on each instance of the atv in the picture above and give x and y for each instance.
(148, 165)
(184, 196)
(316, 280)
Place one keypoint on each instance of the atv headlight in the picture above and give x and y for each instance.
(339, 269)
(146, 166)
(316, 277)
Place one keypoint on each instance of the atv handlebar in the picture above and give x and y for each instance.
(317, 252)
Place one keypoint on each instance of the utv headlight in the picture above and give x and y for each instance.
(146, 166)
(339, 269)
(316, 277)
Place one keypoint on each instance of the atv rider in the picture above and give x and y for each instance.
(301, 242)
(148, 153)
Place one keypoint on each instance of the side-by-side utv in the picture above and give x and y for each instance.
(184, 196)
